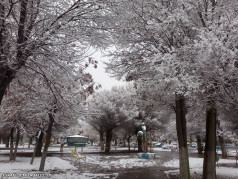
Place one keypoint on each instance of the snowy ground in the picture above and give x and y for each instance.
(55, 167)
(100, 166)
(225, 167)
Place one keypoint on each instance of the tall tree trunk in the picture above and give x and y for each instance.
(7, 142)
(221, 140)
(223, 149)
(39, 144)
(101, 132)
(21, 139)
(47, 143)
(182, 137)
(11, 144)
(30, 141)
(17, 142)
(128, 141)
(8, 74)
(209, 164)
(40, 133)
(108, 140)
(199, 144)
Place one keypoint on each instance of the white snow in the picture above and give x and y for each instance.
(54, 168)
(77, 136)
(196, 165)
(120, 161)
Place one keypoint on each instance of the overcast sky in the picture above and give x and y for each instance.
(100, 76)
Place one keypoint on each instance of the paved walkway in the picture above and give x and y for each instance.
(146, 173)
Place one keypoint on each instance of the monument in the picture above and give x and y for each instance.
(141, 135)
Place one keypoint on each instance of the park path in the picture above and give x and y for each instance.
(136, 172)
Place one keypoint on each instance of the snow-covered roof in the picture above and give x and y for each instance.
(78, 136)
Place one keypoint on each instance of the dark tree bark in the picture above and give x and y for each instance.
(101, 132)
(128, 141)
(108, 140)
(124, 142)
(199, 144)
(47, 143)
(11, 144)
(7, 74)
(7, 142)
(209, 164)
(30, 141)
(21, 139)
(223, 149)
(39, 144)
(17, 142)
(182, 137)
(221, 140)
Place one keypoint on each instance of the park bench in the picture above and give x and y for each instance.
(75, 156)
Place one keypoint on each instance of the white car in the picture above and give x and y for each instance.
(172, 147)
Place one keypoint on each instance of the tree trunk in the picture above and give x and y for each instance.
(39, 144)
(34, 153)
(40, 133)
(6, 76)
(17, 142)
(30, 142)
(221, 140)
(223, 149)
(139, 141)
(116, 141)
(209, 164)
(62, 147)
(199, 144)
(108, 140)
(128, 141)
(101, 132)
(11, 144)
(21, 139)
(47, 143)
(182, 138)
(7, 142)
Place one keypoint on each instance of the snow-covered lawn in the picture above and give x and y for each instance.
(54, 168)
(122, 161)
(196, 166)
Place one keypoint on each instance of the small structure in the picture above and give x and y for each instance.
(142, 135)
(76, 140)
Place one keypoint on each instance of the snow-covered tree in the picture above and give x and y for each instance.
(108, 109)
(191, 45)
(38, 30)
